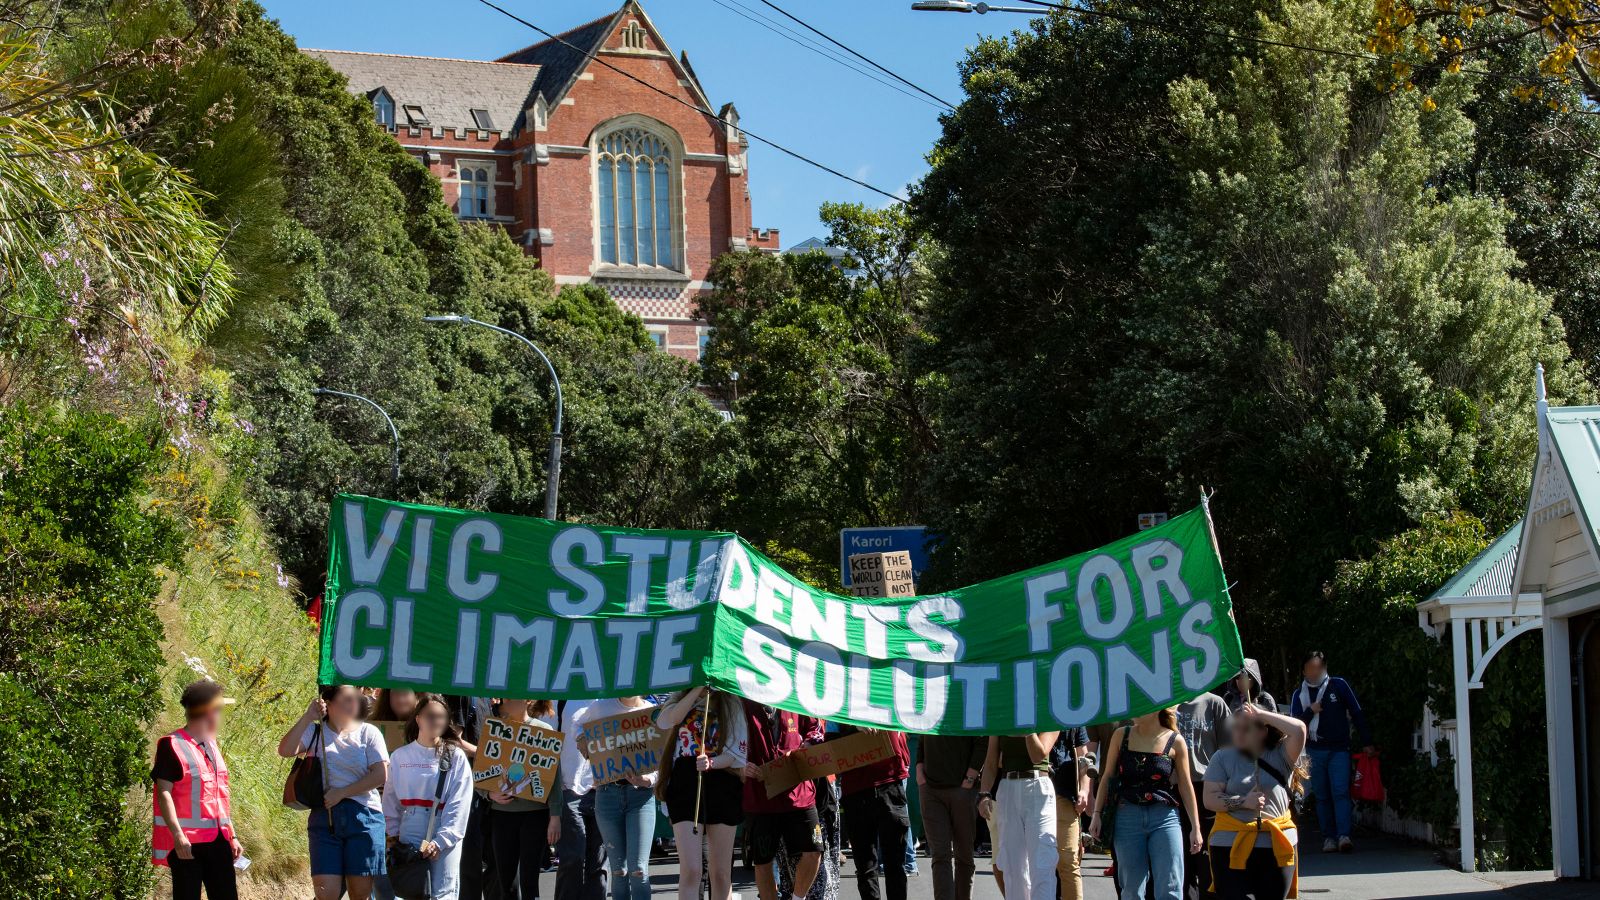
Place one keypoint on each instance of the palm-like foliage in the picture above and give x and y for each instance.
(73, 189)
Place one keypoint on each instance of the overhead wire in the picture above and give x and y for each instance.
(861, 56)
(794, 37)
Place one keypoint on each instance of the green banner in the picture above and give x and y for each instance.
(475, 603)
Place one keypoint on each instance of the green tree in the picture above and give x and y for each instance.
(815, 357)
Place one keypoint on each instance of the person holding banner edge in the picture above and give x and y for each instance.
(789, 820)
(707, 745)
(877, 818)
(346, 839)
(1149, 760)
(1022, 812)
(625, 810)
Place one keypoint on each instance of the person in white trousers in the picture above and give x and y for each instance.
(409, 804)
(1024, 809)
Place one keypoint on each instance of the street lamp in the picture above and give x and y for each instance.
(394, 433)
(962, 6)
(553, 468)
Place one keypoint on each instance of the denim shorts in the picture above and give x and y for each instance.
(353, 846)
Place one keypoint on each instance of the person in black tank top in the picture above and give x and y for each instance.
(1153, 788)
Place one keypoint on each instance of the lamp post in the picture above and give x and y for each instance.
(963, 6)
(394, 433)
(553, 468)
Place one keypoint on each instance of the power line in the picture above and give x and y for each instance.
(594, 57)
(871, 62)
(739, 9)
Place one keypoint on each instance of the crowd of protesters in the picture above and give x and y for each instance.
(1192, 801)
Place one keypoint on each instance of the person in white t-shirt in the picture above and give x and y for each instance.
(346, 838)
(417, 811)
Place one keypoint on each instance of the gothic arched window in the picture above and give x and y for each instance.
(636, 169)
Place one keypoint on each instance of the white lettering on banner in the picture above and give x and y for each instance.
(770, 655)
(1197, 676)
(466, 648)
(935, 686)
(974, 679)
(819, 619)
(401, 668)
(628, 632)
(581, 657)
(471, 590)
(679, 595)
(508, 633)
(668, 669)
(351, 664)
(1154, 680)
(819, 679)
(1023, 675)
(421, 554)
(861, 706)
(938, 644)
(639, 550)
(594, 553)
(1098, 568)
(1152, 577)
(1063, 685)
(1041, 612)
(737, 588)
(367, 563)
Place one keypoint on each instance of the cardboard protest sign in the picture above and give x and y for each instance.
(625, 744)
(520, 759)
(828, 758)
(394, 734)
(882, 575)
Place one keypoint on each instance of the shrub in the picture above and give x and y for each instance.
(79, 657)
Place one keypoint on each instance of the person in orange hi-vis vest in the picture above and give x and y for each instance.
(193, 831)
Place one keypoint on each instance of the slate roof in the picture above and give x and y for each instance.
(560, 64)
(446, 89)
(1489, 573)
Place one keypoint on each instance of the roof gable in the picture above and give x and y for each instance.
(1560, 550)
(628, 31)
(1489, 573)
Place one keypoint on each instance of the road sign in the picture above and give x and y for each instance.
(912, 539)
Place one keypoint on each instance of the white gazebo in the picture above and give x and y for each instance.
(1543, 573)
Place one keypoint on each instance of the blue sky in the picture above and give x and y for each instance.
(784, 92)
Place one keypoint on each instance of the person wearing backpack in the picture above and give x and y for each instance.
(346, 834)
(193, 825)
(1250, 786)
(427, 799)
(1328, 706)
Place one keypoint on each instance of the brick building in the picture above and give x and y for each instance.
(600, 177)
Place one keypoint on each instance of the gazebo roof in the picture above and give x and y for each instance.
(1488, 574)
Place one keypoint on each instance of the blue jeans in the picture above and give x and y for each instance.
(1149, 843)
(1330, 781)
(627, 818)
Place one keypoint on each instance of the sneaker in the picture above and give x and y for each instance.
(1329, 845)
(1346, 845)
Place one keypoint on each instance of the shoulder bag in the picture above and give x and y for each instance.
(306, 785)
(411, 873)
